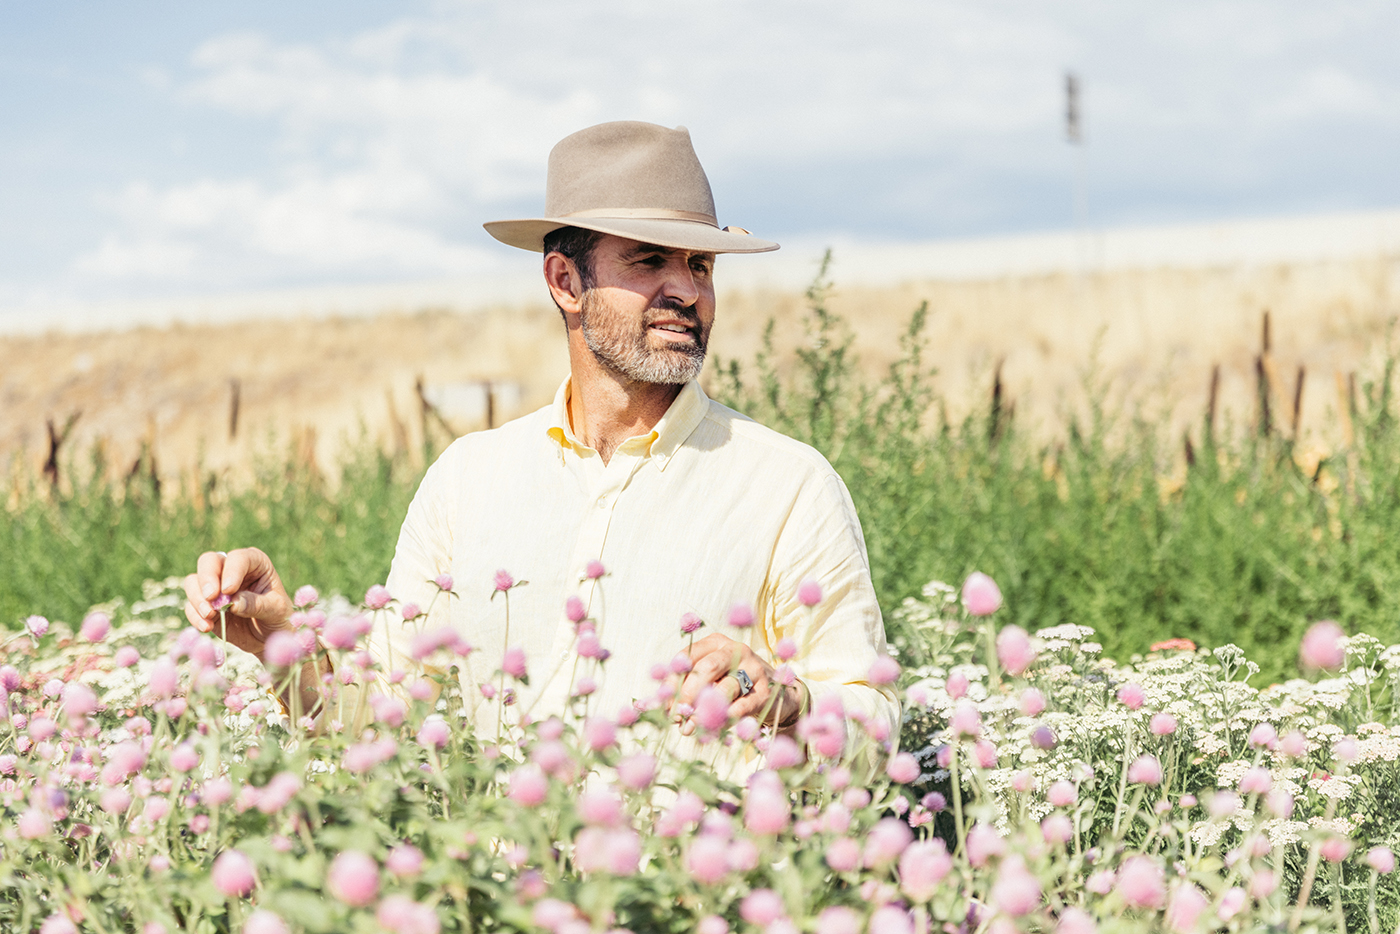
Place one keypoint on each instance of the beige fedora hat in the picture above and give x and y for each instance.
(631, 179)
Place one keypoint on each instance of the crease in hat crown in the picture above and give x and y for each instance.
(630, 179)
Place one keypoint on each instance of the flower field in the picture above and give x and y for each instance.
(150, 783)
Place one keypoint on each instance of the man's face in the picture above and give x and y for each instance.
(649, 312)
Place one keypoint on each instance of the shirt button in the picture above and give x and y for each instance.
(602, 502)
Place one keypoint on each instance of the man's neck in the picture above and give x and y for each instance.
(606, 408)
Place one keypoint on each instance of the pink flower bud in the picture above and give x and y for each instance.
(922, 866)
(232, 874)
(95, 627)
(79, 699)
(1381, 859)
(761, 907)
(1032, 702)
(767, 808)
(637, 771)
(890, 919)
(1141, 883)
(1131, 695)
(404, 860)
(1345, 749)
(707, 858)
(1016, 891)
(126, 656)
(1076, 921)
(599, 733)
(843, 854)
(434, 733)
(741, 616)
(444, 582)
(809, 593)
(712, 924)
(1162, 724)
(1185, 908)
(353, 878)
(283, 650)
(966, 719)
(184, 757)
(786, 649)
(1022, 781)
(513, 663)
(903, 768)
(1014, 650)
(838, 919)
(1294, 744)
(33, 824)
(377, 597)
(528, 786)
(1145, 770)
(1322, 646)
(1264, 735)
(980, 594)
(1264, 884)
(58, 924)
(165, 678)
(594, 570)
(1335, 849)
(784, 753)
(37, 625)
(884, 670)
(984, 843)
(957, 685)
(1256, 781)
(262, 921)
(1057, 828)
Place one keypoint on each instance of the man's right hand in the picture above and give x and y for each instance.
(259, 603)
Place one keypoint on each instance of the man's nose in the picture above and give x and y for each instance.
(680, 285)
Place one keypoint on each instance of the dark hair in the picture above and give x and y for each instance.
(576, 244)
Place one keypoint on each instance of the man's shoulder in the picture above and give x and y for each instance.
(754, 439)
(520, 435)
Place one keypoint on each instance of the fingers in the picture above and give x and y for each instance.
(238, 568)
(709, 669)
(209, 572)
(270, 609)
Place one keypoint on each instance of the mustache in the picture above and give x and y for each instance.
(671, 308)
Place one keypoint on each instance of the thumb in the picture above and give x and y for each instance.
(267, 608)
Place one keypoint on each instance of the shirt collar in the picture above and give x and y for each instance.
(661, 443)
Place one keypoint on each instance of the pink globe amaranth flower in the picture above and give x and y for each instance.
(283, 650)
(262, 921)
(305, 596)
(232, 874)
(552, 914)
(53, 687)
(762, 906)
(58, 924)
(784, 753)
(690, 623)
(528, 786)
(387, 709)
(711, 709)
(980, 594)
(891, 920)
(922, 866)
(599, 733)
(594, 570)
(164, 678)
(1185, 907)
(1294, 744)
(444, 582)
(1223, 803)
(1323, 646)
(767, 808)
(115, 800)
(410, 611)
(589, 646)
(95, 626)
(903, 768)
(126, 656)
(574, 610)
(9, 678)
(184, 757)
(1335, 849)
(399, 914)
(278, 792)
(341, 633)
(1141, 883)
(353, 878)
(377, 597)
(966, 719)
(1381, 859)
(1280, 804)
(1057, 828)
(707, 859)
(1022, 781)
(123, 759)
(838, 919)
(1016, 891)
(984, 754)
(843, 854)
(1145, 770)
(637, 771)
(79, 700)
(421, 690)
(1263, 884)
(786, 649)
(1232, 901)
(984, 843)
(404, 860)
(37, 625)
(600, 807)
(1162, 724)
(886, 841)
(1256, 781)
(1131, 695)
(1345, 749)
(1014, 650)
(1264, 735)
(741, 616)
(1101, 882)
(513, 662)
(33, 824)
(884, 670)
(434, 733)
(809, 592)
(712, 924)
(1076, 921)
(956, 685)
(1032, 702)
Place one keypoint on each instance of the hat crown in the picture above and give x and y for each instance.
(627, 165)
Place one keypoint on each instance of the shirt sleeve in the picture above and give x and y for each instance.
(838, 639)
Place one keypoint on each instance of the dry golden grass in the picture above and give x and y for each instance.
(1150, 337)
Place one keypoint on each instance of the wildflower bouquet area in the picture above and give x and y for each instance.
(152, 782)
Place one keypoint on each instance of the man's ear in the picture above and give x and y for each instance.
(565, 284)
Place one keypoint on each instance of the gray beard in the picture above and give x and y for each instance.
(626, 352)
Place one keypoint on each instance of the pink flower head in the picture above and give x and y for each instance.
(786, 649)
(184, 757)
(1162, 724)
(957, 685)
(36, 625)
(983, 843)
(741, 616)
(1294, 744)
(903, 768)
(342, 632)
(1014, 650)
(1032, 702)
(1256, 781)
(1323, 646)
(283, 650)
(574, 610)
(707, 858)
(278, 792)
(1381, 859)
(1131, 695)
(262, 921)
(502, 580)
(353, 878)
(513, 663)
(399, 914)
(34, 823)
(305, 596)
(42, 728)
(444, 582)
(761, 907)
(79, 700)
(600, 807)
(1016, 891)
(123, 759)
(966, 719)
(689, 623)
(767, 808)
(599, 733)
(387, 709)
(377, 597)
(838, 919)
(1185, 907)
(434, 733)
(809, 593)
(984, 754)
(1057, 828)
(1145, 770)
(410, 611)
(165, 677)
(1280, 804)
(886, 841)
(1335, 849)
(1345, 749)
(1076, 921)
(711, 709)
(126, 656)
(1141, 883)
(528, 786)
(404, 860)
(922, 866)
(843, 854)
(1022, 781)
(9, 678)
(980, 594)
(784, 753)
(1263, 884)
(95, 626)
(1223, 804)
(594, 570)
(1264, 735)
(58, 924)
(1231, 902)
(115, 800)
(637, 771)
(232, 874)
(891, 919)
(884, 670)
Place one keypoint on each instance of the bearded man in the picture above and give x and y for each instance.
(699, 516)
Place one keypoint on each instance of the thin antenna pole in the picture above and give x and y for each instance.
(1074, 135)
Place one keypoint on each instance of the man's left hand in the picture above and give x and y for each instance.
(715, 659)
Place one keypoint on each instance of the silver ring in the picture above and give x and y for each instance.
(745, 682)
(222, 554)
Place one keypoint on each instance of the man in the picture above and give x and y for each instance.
(693, 511)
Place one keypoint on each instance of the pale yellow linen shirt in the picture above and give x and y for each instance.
(708, 510)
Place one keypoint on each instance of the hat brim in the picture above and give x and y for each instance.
(529, 234)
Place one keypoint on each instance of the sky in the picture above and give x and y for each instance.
(152, 148)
